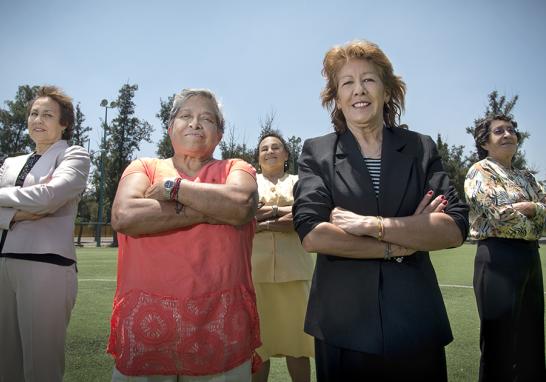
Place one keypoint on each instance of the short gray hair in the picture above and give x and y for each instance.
(186, 94)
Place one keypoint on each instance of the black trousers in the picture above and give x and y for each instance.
(335, 364)
(510, 298)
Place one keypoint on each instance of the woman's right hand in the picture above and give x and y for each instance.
(23, 215)
(429, 205)
(529, 209)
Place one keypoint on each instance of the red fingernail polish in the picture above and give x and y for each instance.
(430, 193)
(442, 197)
(444, 202)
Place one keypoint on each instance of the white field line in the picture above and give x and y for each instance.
(459, 286)
(456, 286)
(441, 285)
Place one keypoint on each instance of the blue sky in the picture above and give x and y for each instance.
(261, 56)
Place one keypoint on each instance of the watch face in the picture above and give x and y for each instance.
(169, 184)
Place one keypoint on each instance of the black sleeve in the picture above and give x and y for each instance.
(312, 198)
(438, 180)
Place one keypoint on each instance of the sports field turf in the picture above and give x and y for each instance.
(89, 326)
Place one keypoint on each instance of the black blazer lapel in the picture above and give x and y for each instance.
(355, 183)
(396, 168)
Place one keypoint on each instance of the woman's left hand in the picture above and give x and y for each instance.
(529, 209)
(429, 205)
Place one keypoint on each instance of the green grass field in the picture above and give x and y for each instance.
(89, 326)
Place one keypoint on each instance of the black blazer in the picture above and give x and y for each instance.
(374, 306)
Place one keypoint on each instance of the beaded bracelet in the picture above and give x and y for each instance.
(176, 187)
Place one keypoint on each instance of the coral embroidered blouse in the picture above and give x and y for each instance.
(184, 302)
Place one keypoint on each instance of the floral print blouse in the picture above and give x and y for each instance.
(490, 191)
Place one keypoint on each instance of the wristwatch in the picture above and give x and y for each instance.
(168, 186)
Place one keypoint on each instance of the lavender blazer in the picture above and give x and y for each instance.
(53, 187)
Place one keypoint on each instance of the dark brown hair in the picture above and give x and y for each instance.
(483, 131)
(274, 134)
(338, 56)
(65, 104)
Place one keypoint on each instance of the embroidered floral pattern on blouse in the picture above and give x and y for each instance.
(490, 192)
(164, 335)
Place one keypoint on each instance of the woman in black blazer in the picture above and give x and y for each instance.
(371, 200)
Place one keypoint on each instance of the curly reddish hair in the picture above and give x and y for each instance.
(395, 87)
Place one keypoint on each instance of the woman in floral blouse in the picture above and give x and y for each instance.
(507, 212)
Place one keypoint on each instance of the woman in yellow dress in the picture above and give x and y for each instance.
(281, 269)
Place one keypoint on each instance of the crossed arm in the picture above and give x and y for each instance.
(141, 208)
(489, 198)
(33, 202)
(274, 219)
(348, 234)
(326, 228)
(428, 229)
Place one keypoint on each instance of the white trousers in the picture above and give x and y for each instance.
(36, 300)
(241, 373)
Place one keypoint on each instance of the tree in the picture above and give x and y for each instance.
(294, 145)
(124, 136)
(80, 136)
(266, 125)
(499, 105)
(455, 164)
(164, 147)
(231, 149)
(14, 139)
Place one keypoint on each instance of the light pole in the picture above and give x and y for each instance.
(104, 104)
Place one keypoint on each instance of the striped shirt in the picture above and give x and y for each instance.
(374, 168)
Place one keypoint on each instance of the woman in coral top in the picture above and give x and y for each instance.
(185, 304)
(281, 269)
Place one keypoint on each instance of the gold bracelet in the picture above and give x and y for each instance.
(380, 228)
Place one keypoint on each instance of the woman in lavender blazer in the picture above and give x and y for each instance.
(39, 194)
